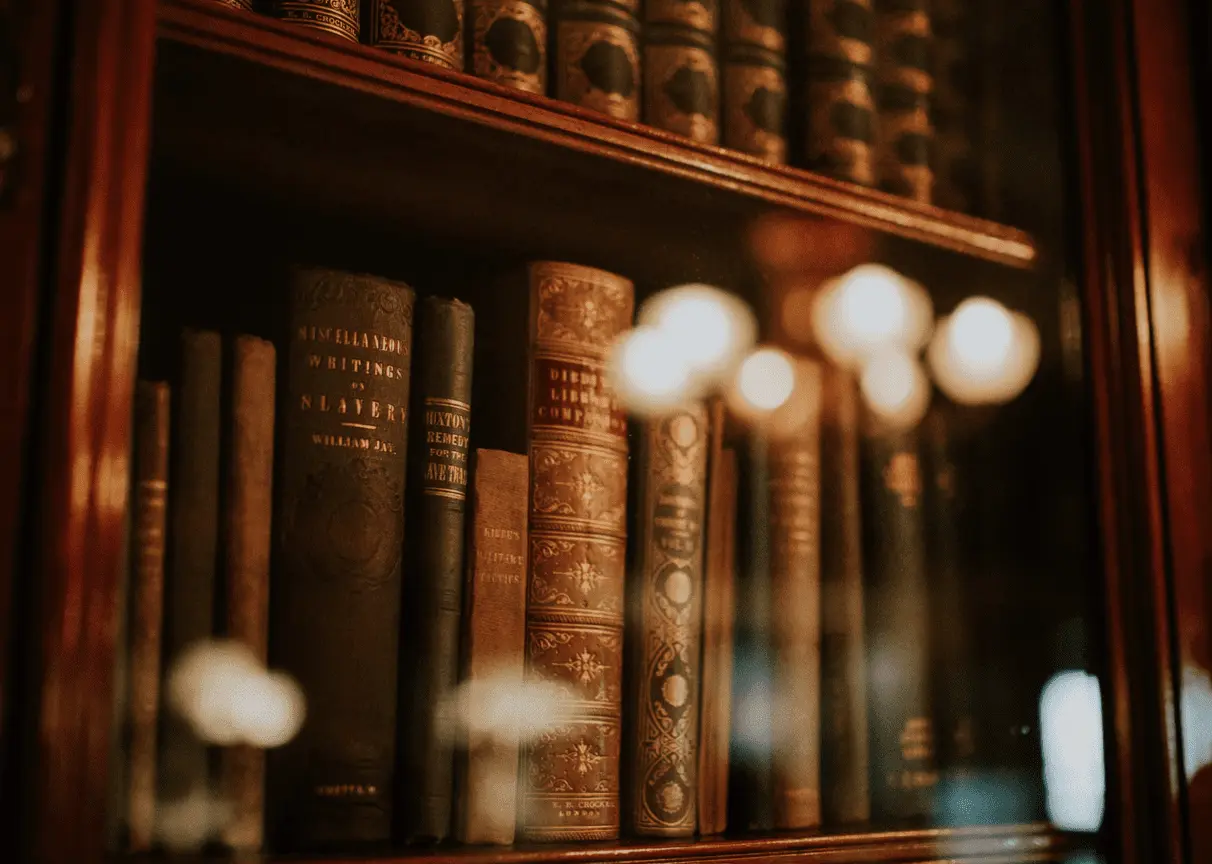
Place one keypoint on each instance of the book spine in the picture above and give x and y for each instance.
(578, 538)
(245, 5)
(755, 102)
(494, 643)
(953, 105)
(151, 487)
(193, 545)
(681, 78)
(336, 597)
(335, 17)
(903, 774)
(844, 760)
(952, 654)
(669, 590)
(249, 510)
(904, 89)
(426, 30)
(509, 43)
(438, 483)
(719, 595)
(840, 114)
(597, 57)
(795, 568)
(751, 742)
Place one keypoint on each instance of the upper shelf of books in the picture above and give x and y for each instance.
(246, 98)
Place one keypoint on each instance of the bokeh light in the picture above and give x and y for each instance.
(983, 353)
(711, 328)
(764, 382)
(867, 310)
(895, 388)
(650, 371)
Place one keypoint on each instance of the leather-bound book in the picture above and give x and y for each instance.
(249, 508)
(953, 108)
(839, 135)
(494, 641)
(667, 595)
(438, 467)
(597, 56)
(795, 585)
(681, 86)
(335, 17)
(952, 644)
(427, 30)
(335, 597)
(903, 774)
(754, 68)
(751, 744)
(151, 489)
(246, 5)
(719, 595)
(844, 764)
(554, 330)
(904, 89)
(189, 600)
(509, 43)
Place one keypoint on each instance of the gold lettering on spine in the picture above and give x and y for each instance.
(447, 424)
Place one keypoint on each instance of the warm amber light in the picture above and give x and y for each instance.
(764, 382)
(868, 309)
(983, 353)
(710, 327)
(895, 388)
(650, 371)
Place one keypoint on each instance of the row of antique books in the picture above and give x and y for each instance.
(886, 89)
(559, 660)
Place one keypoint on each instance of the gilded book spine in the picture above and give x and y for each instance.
(719, 595)
(509, 43)
(953, 108)
(597, 62)
(844, 762)
(336, 597)
(335, 17)
(755, 77)
(904, 89)
(426, 30)
(669, 595)
(246, 5)
(249, 509)
(903, 774)
(193, 544)
(438, 484)
(578, 538)
(151, 487)
(795, 568)
(493, 644)
(840, 114)
(681, 87)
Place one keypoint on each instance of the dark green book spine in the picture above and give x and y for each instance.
(751, 778)
(903, 774)
(193, 545)
(438, 484)
(335, 593)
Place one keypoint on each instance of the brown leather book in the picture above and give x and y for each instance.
(509, 43)
(335, 17)
(795, 568)
(246, 5)
(719, 593)
(437, 507)
(681, 77)
(904, 93)
(151, 488)
(248, 511)
(335, 598)
(189, 591)
(754, 71)
(555, 330)
(667, 596)
(844, 763)
(597, 56)
(426, 30)
(494, 641)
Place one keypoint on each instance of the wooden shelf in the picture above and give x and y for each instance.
(1014, 843)
(325, 103)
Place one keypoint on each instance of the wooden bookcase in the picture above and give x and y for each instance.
(148, 133)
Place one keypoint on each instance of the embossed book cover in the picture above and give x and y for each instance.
(666, 599)
(552, 336)
(335, 597)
